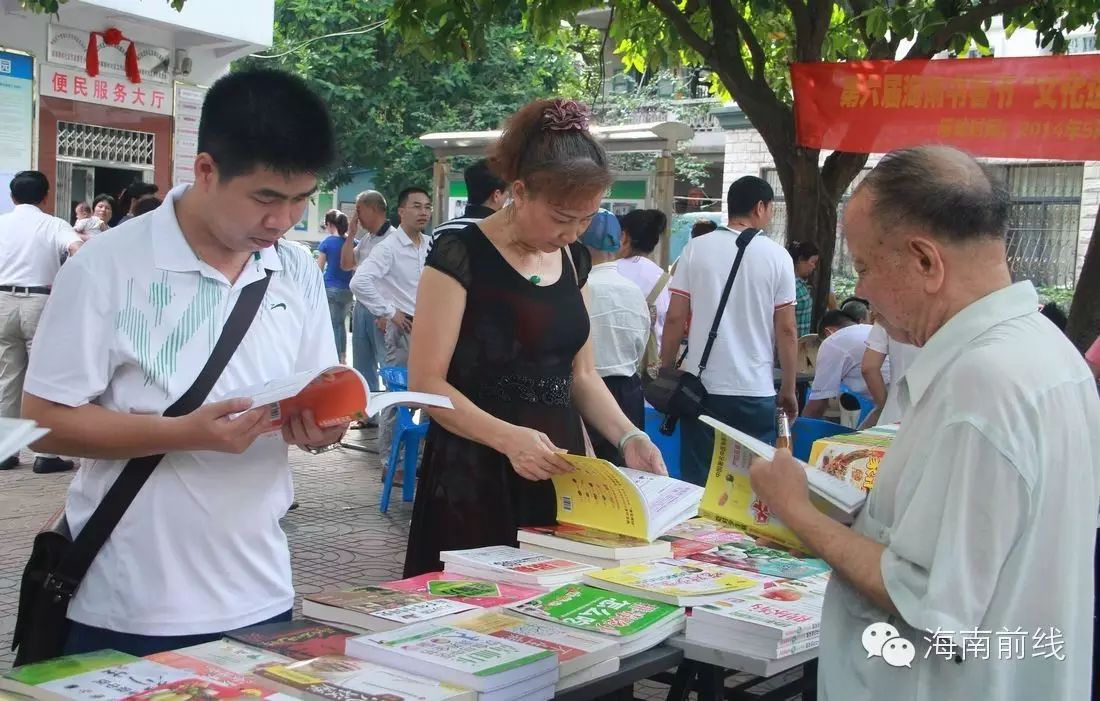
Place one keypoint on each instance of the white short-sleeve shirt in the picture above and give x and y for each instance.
(200, 549)
(31, 245)
(839, 361)
(986, 504)
(620, 321)
(742, 360)
(899, 356)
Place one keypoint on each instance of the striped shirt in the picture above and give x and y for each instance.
(473, 214)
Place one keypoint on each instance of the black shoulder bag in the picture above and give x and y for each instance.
(58, 563)
(677, 393)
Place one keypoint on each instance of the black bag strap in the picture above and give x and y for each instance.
(743, 240)
(79, 557)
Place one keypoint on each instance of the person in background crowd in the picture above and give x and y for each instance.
(385, 283)
(368, 343)
(130, 198)
(337, 280)
(32, 244)
(620, 322)
(205, 526)
(884, 357)
(81, 211)
(146, 204)
(703, 226)
(642, 230)
(757, 321)
(983, 515)
(1052, 311)
(103, 207)
(857, 309)
(805, 256)
(839, 360)
(485, 193)
(502, 329)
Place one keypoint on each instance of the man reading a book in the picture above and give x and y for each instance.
(130, 323)
(982, 520)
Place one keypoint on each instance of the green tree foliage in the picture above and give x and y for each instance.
(748, 44)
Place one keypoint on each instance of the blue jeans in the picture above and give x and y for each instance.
(368, 347)
(84, 638)
(753, 415)
(339, 303)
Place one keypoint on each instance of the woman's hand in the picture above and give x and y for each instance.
(532, 454)
(641, 454)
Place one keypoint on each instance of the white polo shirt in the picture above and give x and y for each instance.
(31, 245)
(741, 362)
(131, 321)
(620, 321)
(899, 356)
(986, 504)
(839, 361)
(386, 281)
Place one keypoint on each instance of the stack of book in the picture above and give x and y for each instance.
(513, 566)
(636, 624)
(705, 540)
(496, 668)
(601, 549)
(465, 590)
(582, 656)
(376, 609)
(298, 640)
(775, 621)
(343, 678)
(677, 582)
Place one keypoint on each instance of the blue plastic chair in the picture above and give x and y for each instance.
(805, 431)
(668, 445)
(407, 433)
(866, 404)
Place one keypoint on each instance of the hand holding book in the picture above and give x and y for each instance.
(780, 482)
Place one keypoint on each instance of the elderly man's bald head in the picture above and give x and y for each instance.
(939, 189)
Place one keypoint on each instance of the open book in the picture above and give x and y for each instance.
(17, 434)
(336, 395)
(596, 494)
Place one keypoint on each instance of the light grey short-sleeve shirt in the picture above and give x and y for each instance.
(987, 505)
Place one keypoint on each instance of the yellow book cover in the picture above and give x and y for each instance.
(675, 578)
(729, 498)
(598, 495)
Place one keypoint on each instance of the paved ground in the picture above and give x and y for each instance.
(337, 536)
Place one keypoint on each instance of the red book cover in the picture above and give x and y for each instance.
(299, 640)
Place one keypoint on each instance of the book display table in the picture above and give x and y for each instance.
(635, 668)
(705, 669)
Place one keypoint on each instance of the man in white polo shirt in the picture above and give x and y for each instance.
(31, 246)
(133, 319)
(974, 549)
(839, 361)
(758, 319)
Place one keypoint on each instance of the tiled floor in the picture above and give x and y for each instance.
(337, 536)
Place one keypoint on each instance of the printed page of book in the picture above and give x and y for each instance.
(599, 495)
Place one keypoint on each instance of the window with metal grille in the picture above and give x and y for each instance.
(1043, 227)
(104, 144)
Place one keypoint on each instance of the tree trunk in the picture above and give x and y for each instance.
(811, 216)
(1084, 314)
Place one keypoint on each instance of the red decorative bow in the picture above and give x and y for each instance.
(112, 37)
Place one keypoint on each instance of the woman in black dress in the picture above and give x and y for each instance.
(502, 329)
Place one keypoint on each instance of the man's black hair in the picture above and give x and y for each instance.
(140, 189)
(745, 193)
(262, 118)
(29, 187)
(482, 182)
(835, 318)
(404, 196)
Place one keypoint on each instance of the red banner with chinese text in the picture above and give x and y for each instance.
(1042, 107)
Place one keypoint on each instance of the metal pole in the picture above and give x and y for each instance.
(441, 189)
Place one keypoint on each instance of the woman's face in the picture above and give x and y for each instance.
(804, 267)
(551, 226)
(103, 210)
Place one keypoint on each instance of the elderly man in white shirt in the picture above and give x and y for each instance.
(368, 345)
(31, 246)
(385, 283)
(975, 546)
(620, 327)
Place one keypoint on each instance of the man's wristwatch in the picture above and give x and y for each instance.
(630, 435)
(317, 450)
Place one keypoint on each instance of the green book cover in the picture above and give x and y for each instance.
(62, 667)
(589, 608)
(459, 649)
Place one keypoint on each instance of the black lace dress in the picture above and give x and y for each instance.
(513, 359)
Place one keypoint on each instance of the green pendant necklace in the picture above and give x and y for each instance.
(536, 278)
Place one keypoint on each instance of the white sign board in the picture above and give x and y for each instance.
(109, 91)
(185, 132)
(17, 120)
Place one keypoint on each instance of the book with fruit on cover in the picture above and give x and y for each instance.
(336, 396)
(377, 608)
(638, 624)
(733, 547)
(458, 656)
(778, 611)
(678, 582)
(576, 650)
(216, 673)
(853, 457)
(464, 590)
(502, 563)
(222, 654)
(132, 680)
(299, 639)
(343, 678)
(641, 505)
